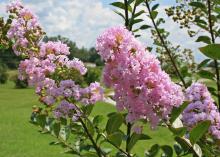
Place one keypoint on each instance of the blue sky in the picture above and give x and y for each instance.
(83, 20)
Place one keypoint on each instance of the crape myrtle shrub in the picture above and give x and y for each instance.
(187, 105)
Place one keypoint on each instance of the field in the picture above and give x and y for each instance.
(19, 138)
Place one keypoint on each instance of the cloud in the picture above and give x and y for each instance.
(83, 20)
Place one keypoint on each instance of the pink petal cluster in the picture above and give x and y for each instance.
(57, 48)
(201, 108)
(25, 30)
(141, 87)
(47, 63)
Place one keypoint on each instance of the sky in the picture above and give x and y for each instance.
(83, 20)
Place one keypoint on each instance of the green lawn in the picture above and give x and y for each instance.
(21, 139)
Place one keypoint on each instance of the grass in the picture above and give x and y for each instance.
(21, 139)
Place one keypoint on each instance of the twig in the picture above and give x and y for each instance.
(213, 41)
(164, 45)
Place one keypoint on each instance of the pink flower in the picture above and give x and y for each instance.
(141, 87)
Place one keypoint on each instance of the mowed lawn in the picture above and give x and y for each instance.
(19, 138)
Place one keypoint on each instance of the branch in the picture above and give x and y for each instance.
(164, 45)
(213, 41)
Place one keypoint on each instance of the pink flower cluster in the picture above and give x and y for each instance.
(201, 108)
(25, 30)
(140, 85)
(46, 63)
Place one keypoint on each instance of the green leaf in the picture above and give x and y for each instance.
(139, 13)
(198, 5)
(90, 154)
(145, 27)
(121, 6)
(87, 110)
(178, 131)
(135, 138)
(154, 14)
(155, 7)
(120, 14)
(211, 51)
(97, 120)
(114, 123)
(138, 2)
(56, 129)
(153, 151)
(177, 111)
(116, 138)
(183, 143)
(90, 127)
(168, 151)
(206, 74)
(41, 120)
(198, 131)
(203, 63)
(204, 39)
(136, 21)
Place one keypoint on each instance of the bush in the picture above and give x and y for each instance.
(3, 74)
(19, 83)
(93, 74)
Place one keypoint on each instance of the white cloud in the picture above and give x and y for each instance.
(83, 20)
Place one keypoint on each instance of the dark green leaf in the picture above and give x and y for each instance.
(41, 120)
(206, 74)
(87, 109)
(121, 6)
(154, 14)
(135, 138)
(155, 7)
(145, 27)
(153, 151)
(198, 131)
(203, 63)
(90, 127)
(138, 13)
(178, 131)
(56, 129)
(168, 151)
(183, 143)
(198, 5)
(114, 123)
(211, 51)
(204, 39)
(116, 138)
(177, 111)
(97, 120)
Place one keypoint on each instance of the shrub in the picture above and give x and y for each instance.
(93, 74)
(3, 74)
(19, 83)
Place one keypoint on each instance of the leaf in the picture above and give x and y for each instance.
(97, 120)
(121, 6)
(138, 13)
(41, 120)
(154, 14)
(155, 7)
(153, 151)
(87, 110)
(56, 129)
(211, 51)
(183, 143)
(203, 63)
(178, 131)
(116, 138)
(136, 21)
(90, 127)
(206, 74)
(204, 39)
(114, 123)
(145, 27)
(120, 14)
(90, 154)
(177, 111)
(135, 138)
(198, 131)
(197, 4)
(168, 151)
(138, 2)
